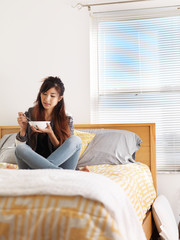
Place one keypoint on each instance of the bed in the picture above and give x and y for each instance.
(35, 209)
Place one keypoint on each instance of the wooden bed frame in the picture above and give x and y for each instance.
(146, 154)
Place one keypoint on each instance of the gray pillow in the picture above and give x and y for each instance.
(111, 147)
(7, 148)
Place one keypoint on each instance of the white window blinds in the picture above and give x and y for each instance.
(135, 77)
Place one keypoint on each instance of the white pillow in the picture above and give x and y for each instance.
(164, 219)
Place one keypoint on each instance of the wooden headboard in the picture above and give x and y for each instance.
(146, 131)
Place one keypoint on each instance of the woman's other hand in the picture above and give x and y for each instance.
(47, 130)
(50, 132)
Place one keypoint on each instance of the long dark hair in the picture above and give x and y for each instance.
(59, 117)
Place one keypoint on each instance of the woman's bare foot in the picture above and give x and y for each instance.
(85, 169)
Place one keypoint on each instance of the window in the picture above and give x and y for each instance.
(135, 63)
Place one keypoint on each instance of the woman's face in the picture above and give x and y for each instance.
(50, 99)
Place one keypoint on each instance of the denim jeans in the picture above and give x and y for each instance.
(64, 157)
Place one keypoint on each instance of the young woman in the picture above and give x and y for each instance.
(55, 146)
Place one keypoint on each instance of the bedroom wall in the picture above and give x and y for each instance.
(38, 39)
(49, 37)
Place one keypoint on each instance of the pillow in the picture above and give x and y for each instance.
(4, 139)
(7, 155)
(86, 138)
(7, 148)
(164, 219)
(116, 147)
(8, 140)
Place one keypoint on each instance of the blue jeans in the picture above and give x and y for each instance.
(66, 156)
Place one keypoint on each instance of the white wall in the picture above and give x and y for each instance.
(49, 37)
(38, 39)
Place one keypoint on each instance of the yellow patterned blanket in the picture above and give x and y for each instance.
(136, 180)
(55, 204)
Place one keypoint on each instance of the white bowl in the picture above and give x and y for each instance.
(39, 124)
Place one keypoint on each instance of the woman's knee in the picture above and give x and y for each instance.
(20, 148)
(75, 140)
